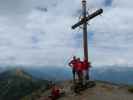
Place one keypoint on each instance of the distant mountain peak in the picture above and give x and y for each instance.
(16, 72)
(16, 83)
(21, 73)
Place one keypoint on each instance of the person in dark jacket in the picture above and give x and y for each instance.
(73, 65)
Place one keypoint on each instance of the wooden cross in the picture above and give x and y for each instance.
(83, 21)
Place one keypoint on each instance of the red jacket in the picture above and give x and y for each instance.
(79, 66)
(86, 65)
(74, 63)
(55, 92)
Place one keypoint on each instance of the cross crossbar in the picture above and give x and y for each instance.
(93, 15)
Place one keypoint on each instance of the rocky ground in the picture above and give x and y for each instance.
(102, 91)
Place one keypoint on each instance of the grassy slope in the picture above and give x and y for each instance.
(15, 84)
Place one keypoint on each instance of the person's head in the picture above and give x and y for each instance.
(74, 57)
(85, 60)
(78, 59)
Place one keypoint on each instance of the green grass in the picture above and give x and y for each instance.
(14, 86)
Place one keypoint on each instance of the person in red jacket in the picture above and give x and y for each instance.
(86, 66)
(73, 64)
(55, 92)
(79, 70)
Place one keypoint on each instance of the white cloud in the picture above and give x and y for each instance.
(113, 34)
(32, 37)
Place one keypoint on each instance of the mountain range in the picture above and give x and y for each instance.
(114, 74)
(26, 83)
(16, 83)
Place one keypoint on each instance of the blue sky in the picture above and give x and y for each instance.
(108, 2)
(30, 36)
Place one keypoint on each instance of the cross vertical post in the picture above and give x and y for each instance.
(85, 39)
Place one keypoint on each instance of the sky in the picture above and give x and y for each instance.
(38, 32)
